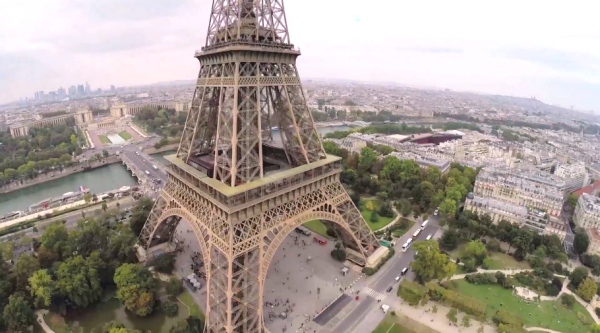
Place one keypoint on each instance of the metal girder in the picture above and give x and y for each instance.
(241, 92)
(238, 253)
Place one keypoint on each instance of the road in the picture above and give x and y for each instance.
(113, 149)
(70, 218)
(144, 162)
(383, 280)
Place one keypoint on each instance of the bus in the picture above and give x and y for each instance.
(406, 245)
(424, 224)
(416, 233)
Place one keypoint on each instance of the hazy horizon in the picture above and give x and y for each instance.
(504, 48)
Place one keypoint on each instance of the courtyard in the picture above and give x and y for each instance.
(302, 280)
(113, 136)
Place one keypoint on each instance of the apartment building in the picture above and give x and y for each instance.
(574, 175)
(532, 218)
(587, 212)
(519, 188)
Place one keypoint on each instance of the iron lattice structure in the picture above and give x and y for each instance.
(242, 193)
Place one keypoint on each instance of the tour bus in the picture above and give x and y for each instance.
(424, 224)
(416, 233)
(406, 245)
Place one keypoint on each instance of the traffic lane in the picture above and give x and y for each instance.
(332, 310)
(402, 260)
(145, 165)
(149, 165)
(354, 316)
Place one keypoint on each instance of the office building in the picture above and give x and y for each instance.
(587, 212)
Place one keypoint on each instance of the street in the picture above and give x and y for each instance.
(368, 306)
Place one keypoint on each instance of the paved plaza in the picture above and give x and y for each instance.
(299, 286)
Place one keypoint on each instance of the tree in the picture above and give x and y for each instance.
(190, 325)
(386, 209)
(42, 287)
(430, 263)
(578, 275)
(104, 206)
(174, 287)
(170, 309)
(567, 300)
(466, 321)
(587, 289)
(25, 266)
(135, 288)
(18, 315)
(572, 200)
(87, 197)
(79, 282)
(369, 206)
(475, 249)
(406, 207)
(374, 218)
(55, 238)
(581, 242)
(104, 153)
(164, 263)
(451, 315)
(366, 159)
(449, 239)
(448, 207)
(595, 328)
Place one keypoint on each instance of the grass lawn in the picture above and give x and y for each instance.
(56, 322)
(188, 300)
(316, 226)
(383, 221)
(104, 139)
(549, 314)
(497, 260)
(389, 324)
(125, 135)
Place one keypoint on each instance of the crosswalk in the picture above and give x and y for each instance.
(372, 293)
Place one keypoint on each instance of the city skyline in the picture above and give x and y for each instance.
(525, 50)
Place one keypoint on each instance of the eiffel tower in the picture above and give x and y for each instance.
(241, 191)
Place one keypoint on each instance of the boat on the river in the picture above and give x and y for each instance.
(59, 201)
(12, 215)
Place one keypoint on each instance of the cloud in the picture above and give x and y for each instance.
(474, 45)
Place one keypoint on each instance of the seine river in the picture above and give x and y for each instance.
(99, 180)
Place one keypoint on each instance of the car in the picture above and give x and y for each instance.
(397, 278)
(404, 270)
(389, 289)
(435, 212)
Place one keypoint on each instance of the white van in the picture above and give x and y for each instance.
(428, 237)
(385, 308)
(397, 278)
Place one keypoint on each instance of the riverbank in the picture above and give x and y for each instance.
(61, 174)
(77, 169)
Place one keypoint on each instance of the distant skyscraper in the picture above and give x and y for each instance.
(72, 91)
(52, 96)
(80, 90)
(112, 88)
(62, 93)
(88, 89)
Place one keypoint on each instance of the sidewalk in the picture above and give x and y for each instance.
(39, 315)
(436, 321)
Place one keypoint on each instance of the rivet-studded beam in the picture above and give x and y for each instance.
(247, 84)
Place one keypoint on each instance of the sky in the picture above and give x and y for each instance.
(546, 49)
